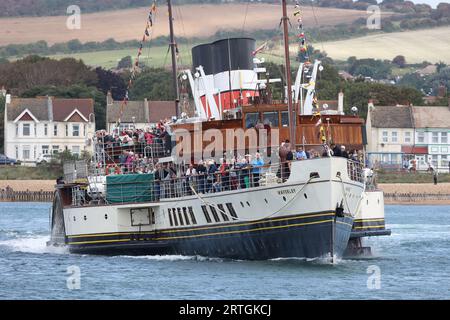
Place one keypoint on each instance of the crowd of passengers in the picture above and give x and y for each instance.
(210, 176)
(158, 137)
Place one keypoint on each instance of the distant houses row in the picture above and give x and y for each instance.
(36, 128)
(408, 137)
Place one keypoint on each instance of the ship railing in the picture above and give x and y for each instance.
(355, 171)
(114, 152)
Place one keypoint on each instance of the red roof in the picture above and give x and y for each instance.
(414, 150)
(62, 108)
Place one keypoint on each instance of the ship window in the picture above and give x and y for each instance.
(205, 211)
(242, 204)
(284, 119)
(170, 217)
(186, 218)
(223, 213)
(232, 211)
(251, 119)
(215, 215)
(271, 118)
(180, 216)
(191, 213)
(175, 220)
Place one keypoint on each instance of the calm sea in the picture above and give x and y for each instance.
(413, 263)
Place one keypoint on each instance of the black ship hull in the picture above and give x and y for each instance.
(303, 236)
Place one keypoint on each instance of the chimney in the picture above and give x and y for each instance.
(8, 99)
(146, 110)
(50, 108)
(341, 103)
(109, 98)
(370, 105)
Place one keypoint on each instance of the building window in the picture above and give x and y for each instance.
(385, 136)
(26, 129)
(271, 118)
(35, 130)
(45, 129)
(251, 119)
(76, 130)
(435, 137)
(444, 137)
(17, 129)
(84, 130)
(45, 149)
(284, 119)
(17, 152)
(434, 160)
(55, 130)
(67, 130)
(26, 153)
(394, 137)
(407, 137)
(420, 137)
(444, 160)
(76, 150)
(55, 149)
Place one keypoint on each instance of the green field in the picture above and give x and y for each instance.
(432, 45)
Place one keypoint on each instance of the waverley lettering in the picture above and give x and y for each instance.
(286, 191)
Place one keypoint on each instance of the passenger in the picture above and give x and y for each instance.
(201, 171)
(301, 154)
(225, 175)
(257, 166)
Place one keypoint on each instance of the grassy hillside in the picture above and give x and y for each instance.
(190, 21)
(430, 44)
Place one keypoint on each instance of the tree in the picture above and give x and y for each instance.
(125, 63)
(110, 81)
(153, 84)
(400, 61)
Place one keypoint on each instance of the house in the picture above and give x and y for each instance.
(137, 114)
(390, 129)
(47, 125)
(397, 135)
(432, 133)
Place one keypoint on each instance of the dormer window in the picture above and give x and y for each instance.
(26, 130)
(76, 130)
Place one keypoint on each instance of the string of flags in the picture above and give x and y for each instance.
(134, 70)
(303, 47)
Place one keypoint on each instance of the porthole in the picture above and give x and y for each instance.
(85, 218)
(74, 219)
(106, 217)
(248, 203)
(266, 201)
(242, 204)
(305, 195)
(284, 198)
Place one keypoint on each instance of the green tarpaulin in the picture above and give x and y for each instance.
(129, 188)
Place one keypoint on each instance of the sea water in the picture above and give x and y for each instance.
(412, 263)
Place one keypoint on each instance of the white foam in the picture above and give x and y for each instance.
(32, 244)
(173, 258)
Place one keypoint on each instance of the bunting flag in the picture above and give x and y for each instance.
(260, 48)
(303, 47)
(134, 70)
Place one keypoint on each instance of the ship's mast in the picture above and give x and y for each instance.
(292, 113)
(173, 48)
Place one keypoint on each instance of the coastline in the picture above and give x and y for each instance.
(395, 193)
